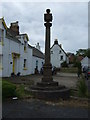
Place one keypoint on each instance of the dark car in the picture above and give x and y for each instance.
(87, 73)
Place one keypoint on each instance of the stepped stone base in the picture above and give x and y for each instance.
(49, 91)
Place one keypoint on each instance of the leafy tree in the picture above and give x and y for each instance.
(88, 53)
(64, 64)
(81, 52)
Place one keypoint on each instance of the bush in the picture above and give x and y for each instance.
(8, 89)
(82, 88)
(64, 64)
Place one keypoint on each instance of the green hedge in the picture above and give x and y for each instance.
(8, 89)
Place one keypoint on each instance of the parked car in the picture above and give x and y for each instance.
(87, 73)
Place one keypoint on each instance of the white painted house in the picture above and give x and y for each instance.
(16, 55)
(58, 55)
(85, 62)
(37, 59)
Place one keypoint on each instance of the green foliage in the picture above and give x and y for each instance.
(82, 88)
(87, 53)
(81, 52)
(64, 64)
(78, 65)
(20, 92)
(8, 89)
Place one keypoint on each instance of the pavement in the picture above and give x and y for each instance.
(67, 79)
(39, 109)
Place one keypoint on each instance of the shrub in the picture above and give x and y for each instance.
(64, 64)
(8, 89)
(82, 88)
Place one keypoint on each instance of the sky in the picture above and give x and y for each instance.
(69, 25)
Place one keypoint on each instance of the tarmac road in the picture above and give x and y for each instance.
(39, 109)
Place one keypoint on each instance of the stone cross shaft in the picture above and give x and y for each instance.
(47, 75)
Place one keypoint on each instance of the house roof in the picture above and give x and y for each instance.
(11, 35)
(30, 46)
(3, 22)
(25, 36)
(37, 53)
(56, 43)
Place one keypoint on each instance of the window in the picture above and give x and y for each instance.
(61, 57)
(36, 62)
(1, 36)
(24, 63)
(25, 45)
(60, 52)
(51, 52)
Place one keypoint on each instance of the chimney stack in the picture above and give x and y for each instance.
(38, 46)
(15, 27)
(56, 41)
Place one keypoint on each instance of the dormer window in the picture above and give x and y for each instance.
(1, 36)
(25, 45)
(25, 64)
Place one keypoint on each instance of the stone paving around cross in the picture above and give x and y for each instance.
(67, 79)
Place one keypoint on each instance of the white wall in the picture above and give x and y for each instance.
(10, 47)
(40, 60)
(56, 56)
(85, 62)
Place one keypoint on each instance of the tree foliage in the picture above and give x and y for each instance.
(87, 53)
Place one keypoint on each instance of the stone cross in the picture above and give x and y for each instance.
(47, 75)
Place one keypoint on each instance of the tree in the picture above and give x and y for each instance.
(87, 52)
(81, 52)
(64, 64)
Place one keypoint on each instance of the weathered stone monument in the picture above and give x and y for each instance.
(47, 88)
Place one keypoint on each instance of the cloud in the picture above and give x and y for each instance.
(69, 25)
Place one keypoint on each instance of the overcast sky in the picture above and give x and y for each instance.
(69, 25)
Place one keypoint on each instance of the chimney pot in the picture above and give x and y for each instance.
(15, 27)
(56, 41)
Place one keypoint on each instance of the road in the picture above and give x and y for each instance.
(39, 109)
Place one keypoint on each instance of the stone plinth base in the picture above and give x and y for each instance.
(47, 84)
(49, 91)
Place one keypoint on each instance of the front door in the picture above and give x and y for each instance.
(15, 65)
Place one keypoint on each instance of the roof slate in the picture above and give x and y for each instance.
(60, 47)
(11, 35)
(38, 53)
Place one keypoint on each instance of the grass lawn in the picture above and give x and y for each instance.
(10, 90)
